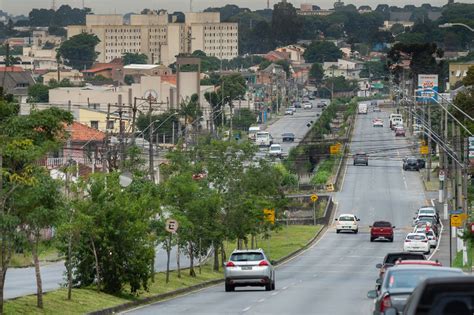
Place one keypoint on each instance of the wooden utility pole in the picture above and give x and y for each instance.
(428, 175)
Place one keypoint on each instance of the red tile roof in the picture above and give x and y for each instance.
(82, 133)
(170, 78)
(98, 69)
(12, 69)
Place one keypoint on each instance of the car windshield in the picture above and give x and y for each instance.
(250, 256)
(426, 211)
(382, 224)
(346, 218)
(409, 279)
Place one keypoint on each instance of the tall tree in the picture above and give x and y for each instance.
(322, 51)
(285, 23)
(134, 58)
(79, 51)
(317, 72)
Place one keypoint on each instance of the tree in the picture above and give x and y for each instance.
(397, 29)
(322, 51)
(25, 139)
(317, 72)
(128, 79)
(40, 206)
(38, 93)
(79, 51)
(285, 23)
(114, 233)
(244, 118)
(134, 58)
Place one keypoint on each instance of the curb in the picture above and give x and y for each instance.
(162, 296)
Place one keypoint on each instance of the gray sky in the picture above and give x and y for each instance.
(124, 6)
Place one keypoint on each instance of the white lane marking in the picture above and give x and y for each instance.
(261, 300)
(246, 309)
(440, 235)
(275, 293)
(284, 288)
(344, 175)
(404, 179)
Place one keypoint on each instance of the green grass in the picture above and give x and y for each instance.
(48, 253)
(458, 259)
(280, 244)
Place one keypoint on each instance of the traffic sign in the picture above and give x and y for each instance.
(424, 149)
(269, 215)
(456, 220)
(334, 149)
(442, 175)
(171, 226)
(314, 197)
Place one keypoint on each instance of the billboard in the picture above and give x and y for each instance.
(427, 88)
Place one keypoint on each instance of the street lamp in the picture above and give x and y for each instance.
(447, 25)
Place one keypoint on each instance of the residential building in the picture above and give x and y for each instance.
(387, 25)
(139, 70)
(74, 76)
(349, 69)
(457, 71)
(271, 74)
(16, 81)
(160, 40)
(42, 37)
(112, 70)
(295, 53)
(311, 9)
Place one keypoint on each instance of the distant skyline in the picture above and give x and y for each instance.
(17, 7)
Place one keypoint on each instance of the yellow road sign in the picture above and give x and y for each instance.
(269, 215)
(314, 197)
(330, 187)
(334, 149)
(424, 149)
(456, 220)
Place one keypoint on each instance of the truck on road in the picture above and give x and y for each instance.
(362, 108)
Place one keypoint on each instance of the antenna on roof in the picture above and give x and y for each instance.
(268, 4)
(190, 5)
(53, 5)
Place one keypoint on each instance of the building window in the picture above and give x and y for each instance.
(95, 124)
(110, 124)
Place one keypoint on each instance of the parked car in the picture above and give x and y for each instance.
(297, 104)
(376, 109)
(249, 268)
(416, 242)
(425, 223)
(434, 263)
(307, 105)
(427, 217)
(441, 296)
(289, 112)
(321, 105)
(399, 131)
(288, 137)
(361, 159)
(411, 164)
(347, 222)
(400, 281)
(427, 210)
(391, 258)
(381, 229)
(430, 234)
(275, 150)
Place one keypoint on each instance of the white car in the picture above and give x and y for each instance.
(307, 105)
(347, 222)
(416, 242)
(289, 111)
(377, 122)
(275, 150)
(430, 234)
(426, 211)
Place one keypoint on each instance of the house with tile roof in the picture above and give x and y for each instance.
(16, 81)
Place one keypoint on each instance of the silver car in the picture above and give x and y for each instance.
(249, 268)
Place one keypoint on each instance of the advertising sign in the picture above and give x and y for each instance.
(427, 88)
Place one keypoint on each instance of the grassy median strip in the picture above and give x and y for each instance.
(280, 244)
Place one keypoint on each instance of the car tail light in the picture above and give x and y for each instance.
(425, 241)
(230, 264)
(385, 304)
(263, 263)
(407, 241)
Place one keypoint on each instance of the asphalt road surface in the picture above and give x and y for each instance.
(334, 275)
(22, 281)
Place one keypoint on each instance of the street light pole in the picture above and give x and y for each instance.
(447, 25)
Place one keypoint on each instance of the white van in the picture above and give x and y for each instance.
(398, 117)
(263, 138)
(253, 132)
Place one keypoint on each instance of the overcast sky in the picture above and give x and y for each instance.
(124, 6)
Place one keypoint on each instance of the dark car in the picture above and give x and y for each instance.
(411, 164)
(321, 105)
(421, 163)
(297, 105)
(441, 296)
(361, 159)
(288, 137)
(381, 229)
(391, 258)
(400, 281)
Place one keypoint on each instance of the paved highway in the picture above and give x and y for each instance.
(334, 275)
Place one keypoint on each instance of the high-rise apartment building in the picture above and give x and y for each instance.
(158, 38)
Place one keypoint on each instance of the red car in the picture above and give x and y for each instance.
(381, 229)
(399, 132)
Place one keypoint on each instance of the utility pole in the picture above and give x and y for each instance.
(107, 139)
(442, 156)
(121, 131)
(428, 176)
(134, 118)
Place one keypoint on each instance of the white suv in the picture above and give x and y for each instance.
(347, 222)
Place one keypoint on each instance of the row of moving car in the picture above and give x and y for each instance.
(409, 284)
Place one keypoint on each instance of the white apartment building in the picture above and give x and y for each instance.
(160, 40)
(349, 69)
